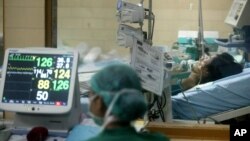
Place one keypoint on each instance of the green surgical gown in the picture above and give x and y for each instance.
(127, 134)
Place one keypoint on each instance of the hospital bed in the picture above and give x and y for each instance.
(220, 100)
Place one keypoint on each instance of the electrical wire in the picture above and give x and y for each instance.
(208, 117)
(159, 102)
(160, 110)
(165, 99)
(192, 108)
(152, 104)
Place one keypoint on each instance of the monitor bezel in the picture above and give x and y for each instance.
(36, 108)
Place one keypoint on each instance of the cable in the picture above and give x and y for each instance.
(192, 108)
(155, 113)
(152, 104)
(164, 99)
(200, 78)
(160, 110)
(161, 103)
(156, 107)
(208, 117)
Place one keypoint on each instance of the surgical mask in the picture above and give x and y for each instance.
(98, 120)
(108, 118)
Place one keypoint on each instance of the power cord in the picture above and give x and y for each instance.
(160, 110)
(160, 103)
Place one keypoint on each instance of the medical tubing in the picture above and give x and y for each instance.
(204, 120)
(209, 117)
(192, 108)
(195, 115)
(200, 78)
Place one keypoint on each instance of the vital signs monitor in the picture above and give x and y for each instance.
(40, 85)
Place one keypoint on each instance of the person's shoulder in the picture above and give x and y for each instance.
(142, 137)
(96, 138)
(155, 136)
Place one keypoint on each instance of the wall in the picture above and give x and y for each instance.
(94, 21)
(24, 23)
(1, 32)
(1, 17)
(89, 21)
(175, 15)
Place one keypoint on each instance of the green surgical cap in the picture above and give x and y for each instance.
(130, 105)
(112, 79)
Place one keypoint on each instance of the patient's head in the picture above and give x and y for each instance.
(212, 68)
(116, 93)
(221, 66)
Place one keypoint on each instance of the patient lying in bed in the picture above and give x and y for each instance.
(209, 69)
(223, 87)
(229, 93)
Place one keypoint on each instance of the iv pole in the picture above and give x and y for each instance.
(150, 18)
(150, 22)
(201, 30)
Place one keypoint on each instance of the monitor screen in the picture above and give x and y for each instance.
(38, 80)
(238, 15)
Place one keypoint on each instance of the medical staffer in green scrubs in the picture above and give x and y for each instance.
(115, 101)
